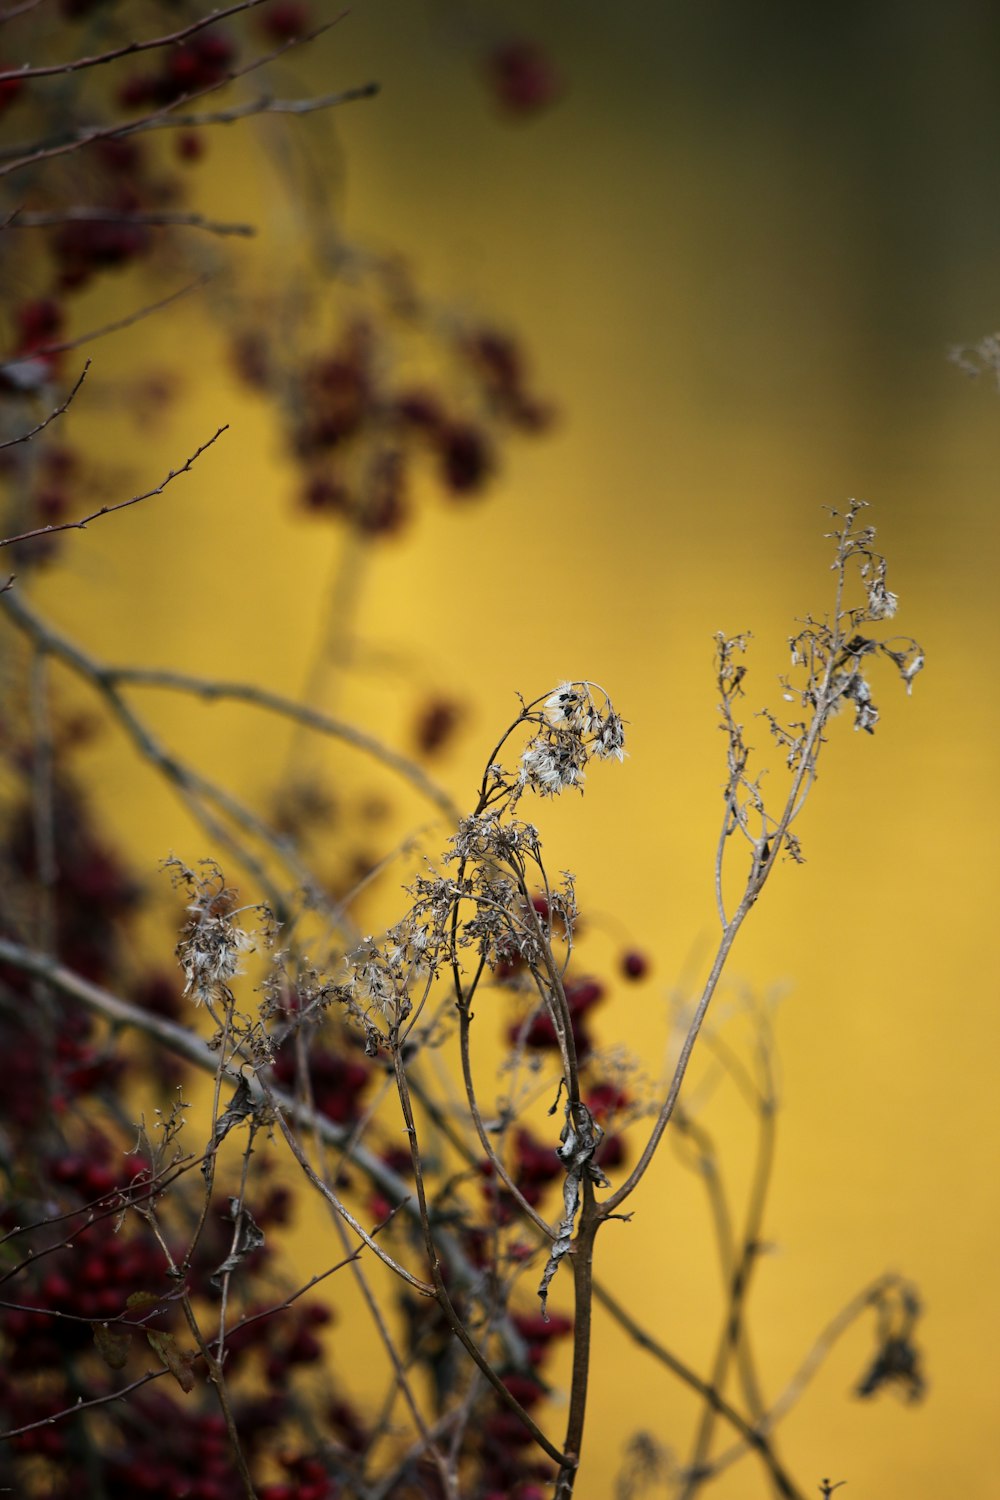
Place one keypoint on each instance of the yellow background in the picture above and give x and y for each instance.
(739, 250)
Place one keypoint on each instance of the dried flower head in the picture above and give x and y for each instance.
(212, 941)
(575, 725)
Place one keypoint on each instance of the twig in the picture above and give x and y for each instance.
(188, 1045)
(276, 703)
(264, 104)
(18, 10)
(759, 874)
(129, 49)
(326, 1192)
(26, 437)
(107, 510)
(193, 788)
(34, 153)
(834, 1330)
(732, 1333)
(754, 1438)
(439, 1290)
(146, 311)
(82, 1406)
(48, 219)
(371, 1301)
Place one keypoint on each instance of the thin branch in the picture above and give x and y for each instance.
(129, 49)
(193, 788)
(26, 437)
(759, 874)
(628, 1323)
(326, 1192)
(276, 703)
(19, 10)
(445, 1303)
(834, 1330)
(107, 510)
(732, 1333)
(46, 219)
(120, 1394)
(754, 1438)
(264, 104)
(814, 1359)
(403, 1383)
(146, 311)
(34, 153)
(82, 1406)
(192, 1049)
(110, 1206)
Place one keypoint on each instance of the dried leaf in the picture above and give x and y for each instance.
(113, 1344)
(250, 1237)
(136, 1301)
(177, 1361)
(239, 1108)
(579, 1139)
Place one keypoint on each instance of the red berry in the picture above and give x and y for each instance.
(635, 965)
(284, 20)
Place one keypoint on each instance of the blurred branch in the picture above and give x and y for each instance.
(34, 153)
(193, 787)
(129, 49)
(18, 10)
(754, 1437)
(146, 311)
(732, 1335)
(838, 1325)
(264, 104)
(187, 1045)
(275, 703)
(44, 219)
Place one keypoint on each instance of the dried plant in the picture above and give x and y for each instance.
(153, 1336)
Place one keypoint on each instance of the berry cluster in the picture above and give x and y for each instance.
(358, 432)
